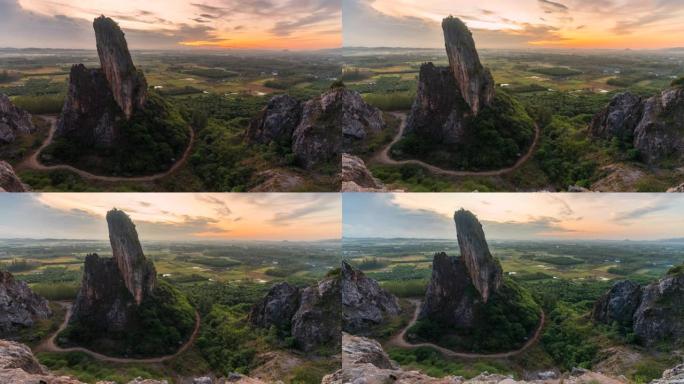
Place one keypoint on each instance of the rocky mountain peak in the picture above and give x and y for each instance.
(19, 306)
(112, 288)
(364, 302)
(128, 85)
(485, 271)
(655, 312)
(311, 314)
(14, 121)
(473, 80)
(139, 274)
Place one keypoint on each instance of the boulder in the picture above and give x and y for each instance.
(619, 304)
(654, 125)
(484, 270)
(277, 308)
(9, 181)
(317, 140)
(19, 306)
(356, 177)
(474, 82)
(317, 321)
(655, 312)
(364, 303)
(671, 376)
(278, 180)
(359, 119)
(677, 189)
(276, 122)
(14, 121)
(312, 314)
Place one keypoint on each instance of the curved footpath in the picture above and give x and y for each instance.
(33, 161)
(384, 157)
(400, 341)
(49, 345)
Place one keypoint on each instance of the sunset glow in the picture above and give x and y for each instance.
(176, 216)
(518, 216)
(615, 24)
(234, 24)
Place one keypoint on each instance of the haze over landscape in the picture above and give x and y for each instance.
(516, 216)
(615, 24)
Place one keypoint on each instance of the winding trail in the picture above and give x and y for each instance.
(33, 161)
(384, 157)
(400, 341)
(49, 345)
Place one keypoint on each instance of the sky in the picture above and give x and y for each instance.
(174, 216)
(516, 216)
(175, 24)
(613, 24)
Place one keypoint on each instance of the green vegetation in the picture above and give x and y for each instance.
(678, 82)
(57, 291)
(151, 141)
(89, 370)
(504, 133)
(8, 76)
(432, 363)
(505, 323)
(19, 265)
(164, 321)
(556, 71)
(40, 104)
(394, 101)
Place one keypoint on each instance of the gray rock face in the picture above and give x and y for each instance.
(138, 273)
(447, 96)
(19, 306)
(655, 312)
(313, 313)
(13, 121)
(660, 316)
(9, 181)
(438, 112)
(98, 98)
(277, 308)
(358, 117)
(620, 117)
(317, 321)
(317, 138)
(364, 303)
(474, 81)
(128, 85)
(112, 288)
(356, 177)
(277, 121)
(485, 271)
(619, 304)
(655, 124)
(446, 299)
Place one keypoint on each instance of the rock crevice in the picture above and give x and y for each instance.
(19, 306)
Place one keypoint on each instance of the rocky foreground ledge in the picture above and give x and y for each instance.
(365, 362)
(19, 366)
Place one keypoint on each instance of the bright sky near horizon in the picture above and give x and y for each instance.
(169, 24)
(174, 216)
(614, 24)
(521, 216)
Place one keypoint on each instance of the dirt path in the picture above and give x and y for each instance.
(49, 345)
(384, 157)
(400, 341)
(33, 161)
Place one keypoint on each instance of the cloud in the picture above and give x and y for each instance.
(552, 6)
(641, 212)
